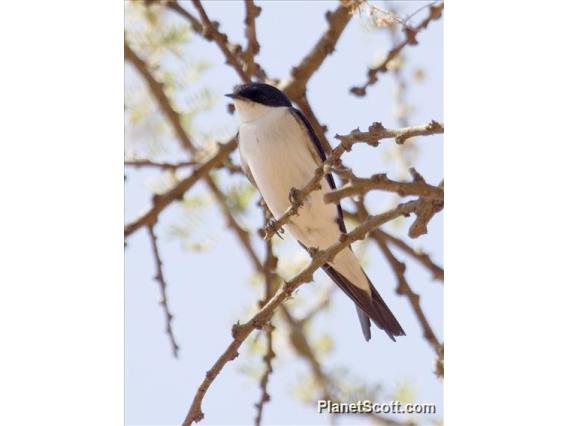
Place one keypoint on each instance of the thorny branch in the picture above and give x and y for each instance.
(162, 284)
(252, 12)
(241, 331)
(372, 137)
(360, 186)
(410, 39)
(268, 270)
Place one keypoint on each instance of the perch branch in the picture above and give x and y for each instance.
(372, 137)
(241, 331)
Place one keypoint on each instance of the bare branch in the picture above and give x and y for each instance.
(160, 202)
(337, 21)
(376, 132)
(175, 121)
(426, 211)
(423, 258)
(360, 186)
(157, 90)
(195, 24)
(410, 39)
(252, 11)
(211, 32)
(241, 331)
(404, 289)
(268, 357)
(162, 284)
(159, 165)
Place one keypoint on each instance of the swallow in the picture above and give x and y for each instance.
(279, 151)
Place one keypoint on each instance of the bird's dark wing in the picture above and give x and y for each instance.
(369, 307)
(304, 123)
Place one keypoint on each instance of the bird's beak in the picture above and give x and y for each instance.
(232, 96)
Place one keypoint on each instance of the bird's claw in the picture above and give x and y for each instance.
(270, 228)
(294, 196)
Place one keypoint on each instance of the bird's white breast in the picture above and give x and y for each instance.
(276, 150)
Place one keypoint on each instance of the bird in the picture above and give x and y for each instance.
(279, 153)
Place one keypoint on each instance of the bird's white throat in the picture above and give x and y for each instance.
(251, 111)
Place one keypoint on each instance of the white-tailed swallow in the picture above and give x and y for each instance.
(280, 151)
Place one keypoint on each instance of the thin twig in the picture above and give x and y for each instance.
(162, 284)
(195, 24)
(267, 358)
(423, 258)
(410, 39)
(252, 12)
(159, 165)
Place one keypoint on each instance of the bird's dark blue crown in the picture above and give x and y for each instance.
(261, 93)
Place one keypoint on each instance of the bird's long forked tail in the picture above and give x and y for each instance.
(368, 306)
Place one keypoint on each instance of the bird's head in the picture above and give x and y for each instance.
(255, 99)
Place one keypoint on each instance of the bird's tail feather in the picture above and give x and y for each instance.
(368, 306)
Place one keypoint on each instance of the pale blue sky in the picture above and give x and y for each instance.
(208, 291)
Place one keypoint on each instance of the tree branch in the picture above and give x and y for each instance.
(423, 258)
(410, 39)
(377, 132)
(195, 23)
(162, 284)
(252, 11)
(403, 288)
(211, 32)
(360, 186)
(159, 165)
(241, 331)
(337, 21)
(157, 90)
(175, 121)
(267, 358)
(372, 137)
(160, 202)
